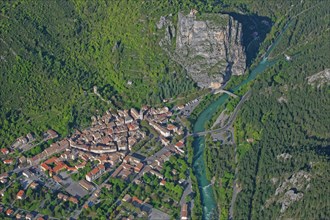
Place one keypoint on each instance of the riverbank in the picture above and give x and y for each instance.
(199, 165)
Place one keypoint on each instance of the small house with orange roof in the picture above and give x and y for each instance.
(20, 195)
(8, 161)
(9, 212)
(4, 151)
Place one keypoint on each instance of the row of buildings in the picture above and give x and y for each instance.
(113, 132)
(130, 165)
(23, 141)
(107, 141)
(54, 148)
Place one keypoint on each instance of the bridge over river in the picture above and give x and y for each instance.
(229, 123)
(208, 200)
(225, 91)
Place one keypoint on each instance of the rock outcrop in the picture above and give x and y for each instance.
(319, 79)
(210, 49)
(284, 156)
(290, 190)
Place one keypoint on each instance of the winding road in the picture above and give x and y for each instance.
(230, 121)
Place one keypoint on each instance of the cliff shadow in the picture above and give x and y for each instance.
(255, 28)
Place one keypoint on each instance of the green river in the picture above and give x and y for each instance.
(199, 167)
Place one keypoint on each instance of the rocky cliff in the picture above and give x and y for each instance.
(320, 79)
(291, 189)
(210, 48)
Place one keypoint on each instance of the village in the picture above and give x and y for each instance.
(121, 151)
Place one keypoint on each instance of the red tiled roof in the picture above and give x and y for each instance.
(81, 165)
(52, 133)
(136, 200)
(184, 211)
(4, 150)
(46, 167)
(171, 127)
(96, 170)
(9, 212)
(139, 167)
(51, 160)
(57, 179)
(179, 144)
(71, 168)
(117, 171)
(73, 200)
(20, 194)
(59, 167)
(104, 157)
(163, 182)
(4, 175)
(8, 161)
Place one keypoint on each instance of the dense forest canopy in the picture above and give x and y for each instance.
(289, 121)
(53, 53)
(282, 132)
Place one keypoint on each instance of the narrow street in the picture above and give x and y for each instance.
(149, 160)
(187, 191)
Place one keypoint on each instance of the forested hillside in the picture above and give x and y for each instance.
(54, 52)
(283, 173)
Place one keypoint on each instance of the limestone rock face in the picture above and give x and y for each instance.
(210, 48)
(291, 189)
(320, 79)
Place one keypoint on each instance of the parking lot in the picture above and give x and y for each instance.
(72, 187)
(189, 107)
(224, 137)
(40, 176)
(76, 190)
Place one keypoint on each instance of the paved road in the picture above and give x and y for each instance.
(28, 147)
(221, 119)
(158, 215)
(149, 160)
(230, 121)
(186, 192)
(17, 170)
(152, 158)
(36, 214)
(235, 189)
(162, 151)
(76, 213)
(224, 128)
